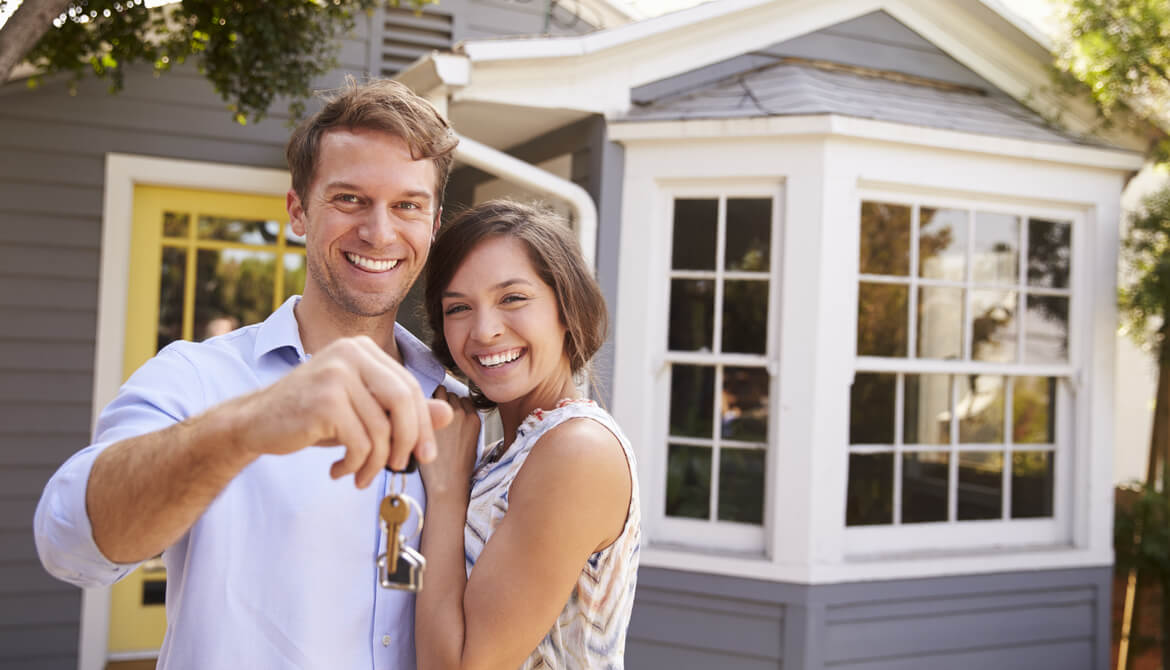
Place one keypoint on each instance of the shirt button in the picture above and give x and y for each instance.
(385, 640)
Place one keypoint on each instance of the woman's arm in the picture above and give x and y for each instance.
(569, 500)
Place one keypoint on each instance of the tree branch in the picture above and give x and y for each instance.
(26, 25)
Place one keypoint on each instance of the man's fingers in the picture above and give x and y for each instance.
(352, 433)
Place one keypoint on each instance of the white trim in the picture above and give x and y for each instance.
(868, 129)
(123, 173)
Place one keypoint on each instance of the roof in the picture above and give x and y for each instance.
(791, 87)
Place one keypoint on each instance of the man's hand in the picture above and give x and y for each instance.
(352, 393)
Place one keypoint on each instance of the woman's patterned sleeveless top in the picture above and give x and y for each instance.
(590, 631)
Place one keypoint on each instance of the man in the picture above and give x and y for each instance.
(207, 452)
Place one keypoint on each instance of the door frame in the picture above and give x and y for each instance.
(123, 173)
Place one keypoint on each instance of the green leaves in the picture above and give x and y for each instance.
(1145, 301)
(252, 51)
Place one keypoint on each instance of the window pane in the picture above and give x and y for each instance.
(885, 239)
(1046, 329)
(175, 224)
(871, 409)
(1049, 253)
(940, 323)
(692, 390)
(233, 288)
(996, 254)
(749, 234)
(1032, 484)
(942, 244)
(927, 409)
(236, 230)
(882, 318)
(980, 485)
(993, 326)
(294, 275)
(745, 404)
(1033, 418)
(980, 409)
(741, 485)
(172, 279)
(692, 314)
(870, 497)
(688, 482)
(695, 227)
(745, 316)
(925, 486)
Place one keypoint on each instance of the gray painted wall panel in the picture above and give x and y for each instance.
(41, 419)
(48, 324)
(642, 655)
(54, 662)
(24, 449)
(1070, 655)
(25, 481)
(60, 231)
(723, 626)
(42, 262)
(50, 387)
(35, 291)
(39, 610)
(17, 355)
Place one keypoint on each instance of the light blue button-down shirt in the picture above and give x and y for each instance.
(279, 572)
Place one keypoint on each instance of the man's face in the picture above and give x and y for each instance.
(368, 219)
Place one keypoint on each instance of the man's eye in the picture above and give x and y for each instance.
(346, 198)
(409, 205)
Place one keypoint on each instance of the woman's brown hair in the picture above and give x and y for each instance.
(556, 257)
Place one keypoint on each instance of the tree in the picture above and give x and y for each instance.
(252, 51)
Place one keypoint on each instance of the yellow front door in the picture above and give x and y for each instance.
(202, 263)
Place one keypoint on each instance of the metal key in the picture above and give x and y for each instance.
(395, 511)
(408, 572)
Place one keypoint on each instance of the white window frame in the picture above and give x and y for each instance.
(747, 540)
(914, 538)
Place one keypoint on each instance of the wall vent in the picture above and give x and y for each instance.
(406, 36)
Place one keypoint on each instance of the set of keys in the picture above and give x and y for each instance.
(401, 567)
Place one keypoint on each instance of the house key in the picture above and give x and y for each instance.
(401, 567)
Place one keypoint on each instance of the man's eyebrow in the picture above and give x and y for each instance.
(504, 284)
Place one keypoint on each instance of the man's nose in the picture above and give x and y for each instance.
(380, 229)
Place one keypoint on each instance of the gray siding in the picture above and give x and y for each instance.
(1044, 619)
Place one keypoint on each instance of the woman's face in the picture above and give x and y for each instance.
(503, 327)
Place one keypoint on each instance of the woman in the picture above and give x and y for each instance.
(532, 552)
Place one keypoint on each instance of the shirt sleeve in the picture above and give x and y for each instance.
(162, 392)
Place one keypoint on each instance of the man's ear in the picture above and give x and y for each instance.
(296, 212)
(435, 227)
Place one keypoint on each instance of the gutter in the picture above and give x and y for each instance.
(512, 169)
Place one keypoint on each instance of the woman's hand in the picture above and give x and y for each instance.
(451, 470)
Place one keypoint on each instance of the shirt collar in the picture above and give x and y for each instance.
(281, 330)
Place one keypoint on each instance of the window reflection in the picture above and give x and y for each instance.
(940, 322)
(175, 224)
(980, 409)
(745, 316)
(696, 224)
(927, 409)
(1046, 329)
(229, 229)
(925, 486)
(1049, 253)
(234, 286)
(749, 232)
(172, 280)
(1033, 419)
(942, 244)
(993, 326)
(688, 481)
(871, 408)
(745, 404)
(885, 239)
(692, 394)
(870, 496)
(995, 258)
(741, 485)
(692, 314)
(882, 319)
(980, 485)
(1033, 483)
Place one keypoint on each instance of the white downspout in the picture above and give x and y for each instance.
(510, 168)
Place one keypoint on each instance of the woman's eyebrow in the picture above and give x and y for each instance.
(504, 284)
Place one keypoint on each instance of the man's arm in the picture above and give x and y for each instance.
(144, 492)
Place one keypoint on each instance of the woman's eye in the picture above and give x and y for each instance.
(514, 298)
(454, 309)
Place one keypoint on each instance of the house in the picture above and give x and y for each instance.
(112, 209)
(861, 260)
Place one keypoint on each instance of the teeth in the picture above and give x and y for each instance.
(370, 264)
(495, 360)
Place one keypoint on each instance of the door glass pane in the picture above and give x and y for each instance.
(172, 279)
(175, 224)
(980, 409)
(234, 288)
(1033, 418)
(995, 258)
(882, 319)
(745, 316)
(688, 481)
(870, 496)
(692, 390)
(940, 323)
(871, 408)
(741, 485)
(993, 326)
(980, 485)
(749, 228)
(230, 229)
(745, 404)
(927, 409)
(885, 239)
(1032, 484)
(696, 224)
(942, 244)
(1046, 329)
(692, 315)
(1049, 253)
(925, 487)
(294, 275)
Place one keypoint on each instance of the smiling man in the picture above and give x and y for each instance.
(248, 459)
